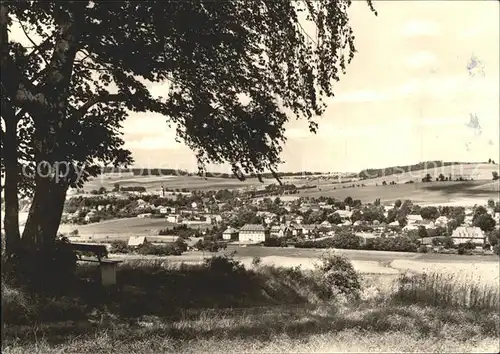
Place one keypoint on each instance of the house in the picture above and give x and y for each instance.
(91, 216)
(326, 224)
(295, 229)
(299, 219)
(428, 224)
(253, 233)
(309, 230)
(413, 218)
(194, 205)
(230, 234)
(442, 221)
(465, 234)
(279, 231)
(136, 241)
(174, 218)
(216, 218)
(344, 214)
(326, 207)
(100, 207)
(287, 219)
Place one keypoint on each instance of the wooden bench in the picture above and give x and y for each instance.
(107, 266)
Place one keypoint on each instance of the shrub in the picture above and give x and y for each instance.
(119, 246)
(49, 271)
(209, 246)
(422, 249)
(180, 245)
(256, 261)
(338, 273)
(346, 240)
(278, 242)
(324, 243)
(224, 264)
(148, 248)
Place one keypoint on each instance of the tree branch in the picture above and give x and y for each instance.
(99, 99)
(36, 46)
(19, 89)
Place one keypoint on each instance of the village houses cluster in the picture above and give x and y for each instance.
(291, 216)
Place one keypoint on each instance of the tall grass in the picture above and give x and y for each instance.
(446, 290)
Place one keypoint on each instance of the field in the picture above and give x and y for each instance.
(119, 228)
(171, 182)
(464, 193)
(481, 189)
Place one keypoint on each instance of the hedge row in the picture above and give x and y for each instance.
(169, 249)
(351, 241)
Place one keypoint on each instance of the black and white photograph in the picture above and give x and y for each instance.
(250, 176)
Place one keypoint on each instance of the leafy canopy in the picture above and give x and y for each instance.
(233, 69)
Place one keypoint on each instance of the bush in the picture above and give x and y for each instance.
(347, 240)
(148, 248)
(275, 242)
(224, 264)
(256, 261)
(324, 243)
(422, 249)
(395, 244)
(50, 271)
(210, 246)
(119, 246)
(338, 273)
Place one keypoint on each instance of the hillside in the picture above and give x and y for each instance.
(152, 183)
(464, 193)
(427, 165)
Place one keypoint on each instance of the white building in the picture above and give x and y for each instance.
(230, 234)
(253, 233)
(174, 218)
(468, 234)
(413, 219)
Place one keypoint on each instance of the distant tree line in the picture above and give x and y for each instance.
(380, 172)
(177, 172)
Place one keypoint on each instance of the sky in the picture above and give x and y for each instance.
(407, 96)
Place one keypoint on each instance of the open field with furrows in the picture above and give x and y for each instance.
(474, 171)
(465, 193)
(152, 183)
(125, 227)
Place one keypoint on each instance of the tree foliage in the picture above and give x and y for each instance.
(226, 74)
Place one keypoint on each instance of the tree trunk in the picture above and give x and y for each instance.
(45, 214)
(11, 220)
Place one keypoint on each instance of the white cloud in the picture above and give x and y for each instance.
(360, 96)
(297, 133)
(153, 143)
(416, 28)
(422, 58)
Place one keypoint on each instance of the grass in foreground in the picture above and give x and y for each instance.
(220, 307)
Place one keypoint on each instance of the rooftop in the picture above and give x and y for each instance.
(253, 227)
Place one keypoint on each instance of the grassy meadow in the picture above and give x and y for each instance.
(221, 306)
